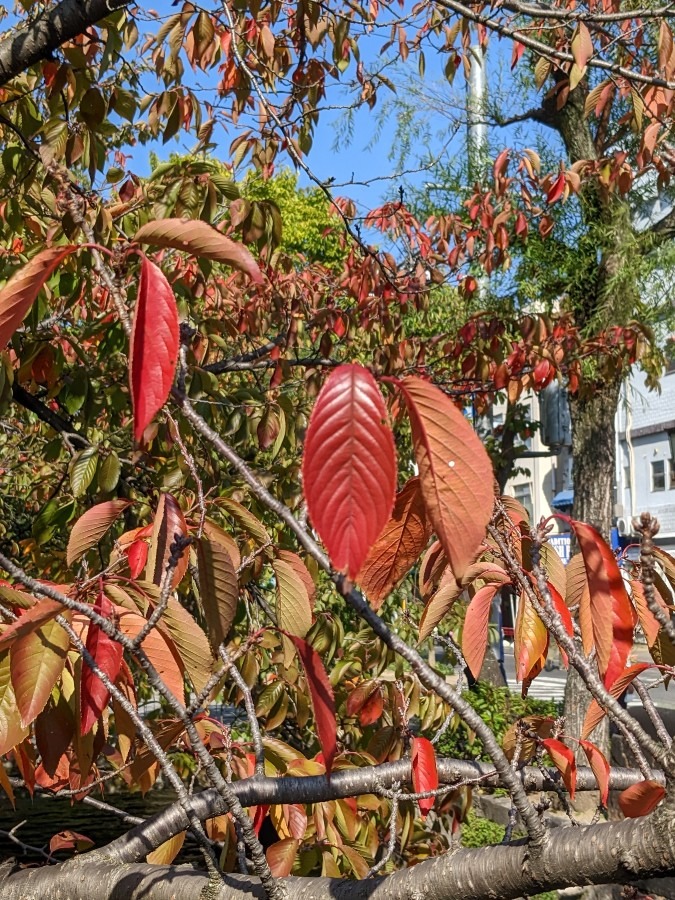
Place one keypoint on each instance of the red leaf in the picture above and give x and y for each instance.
(137, 555)
(424, 772)
(200, 239)
(600, 766)
(611, 611)
(321, 694)
(641, 798)
(595, 712)
(107, 653)
(474, 633)
(398, 547)
(70, 840)
(349, 466)
(563, 760)
(455, 472)
(154, 346)
(562, 609)
(557, 189)
(19, 293)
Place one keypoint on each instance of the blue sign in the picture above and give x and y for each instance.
(561, 543)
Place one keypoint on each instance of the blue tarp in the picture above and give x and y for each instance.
(563, 499)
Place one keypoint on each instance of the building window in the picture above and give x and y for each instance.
(523, 494)
(659, 475)
(671, 480)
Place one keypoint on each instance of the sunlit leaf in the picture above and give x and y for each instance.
(281, 856)
(18, 295)
(218, 588)
(199, 239)
(641, 798)
(595, 712)
(165, 854)
(36, 663)
(424, 771)
(169, 524)
(398, 547)
(91, 527)
(293, 609)
(598, 763)
(30, 620)
(475, 631)
(323, 701)
(455, 472)
(440, 604)
(107, 654)
(154, 346)
(563, 760)
(349, 466)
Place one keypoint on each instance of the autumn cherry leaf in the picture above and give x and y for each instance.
(154, 346)
(91, 526)
(563, 760)
(321, 694)
(455, 472)
(398, 547)
(20, 292)
(474, 633)
(641, 798)
(349, 466)
(107, 654)
(598, 763)
(201, 240)
(424, 772)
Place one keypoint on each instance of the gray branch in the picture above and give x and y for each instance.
(37, 41)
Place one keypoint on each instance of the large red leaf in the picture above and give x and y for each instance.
(107, 654)
(398, 547)
(169, 523)
(455, 472)
(475, 630)
(18, 295)
(600, 766)
(90, 527)
(199, 239)
(349, 466)
(563, 760)
(424, 772)
(641, 798)
(595, 712)
(154, 346)
(611, 611)
(323, 701)
(36, 663)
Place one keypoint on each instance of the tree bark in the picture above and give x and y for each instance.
(618, 852)
(38, 40)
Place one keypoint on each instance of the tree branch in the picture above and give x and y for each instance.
(38, 40)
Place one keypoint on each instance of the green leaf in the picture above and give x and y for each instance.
(83, 470)
(109, 473)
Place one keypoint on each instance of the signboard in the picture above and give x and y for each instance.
(561, 543)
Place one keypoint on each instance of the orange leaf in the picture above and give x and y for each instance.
(19, 293)
(398, 547)
(475, 631)
(29, 621)
(201, 240)
(36, 663)
(439, 604)
(281, 857)
(600, 766)
(165, 854)
(563, 760)
(321, 694)
(91, 526)
(641, 798)
(530, 638)
(611, 610)
(595, 712)
(455, 472)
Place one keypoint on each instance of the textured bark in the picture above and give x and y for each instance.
(598, 854)
(27, 45)
(137, 843)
